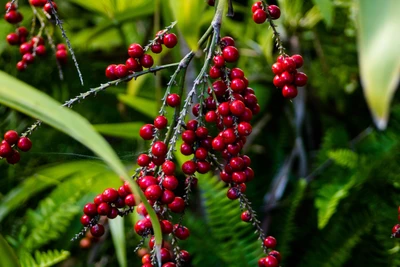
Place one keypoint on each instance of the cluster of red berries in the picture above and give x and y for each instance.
(286, 76)
(260, 13)
(13, 16)
(10, 143)
(35, 46)
(396, 228)
(138, 57)
(274, 257)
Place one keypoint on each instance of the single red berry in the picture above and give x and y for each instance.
(170, 182)
(287, 77)
(12, 39)
(10, 6)
(160, 122)
(184, 255)
(168, 167)
(97, 230)
(159, 149)
(259, 16)
(270, 242)
(11, 137)
(219, 61)
(110, 195)
(156, 48)
(90, 209)
(5, 150)
(289, 91)
(278, 82)
(25, 48)
(218, 143)
(141, 209)
(146, 181)
(186, 149)
(62, 56)
(201, 153)
(224, 109)
(230, 54)
(396, 230)
(214, 72)
(271, 261)
(135, 51)
(113, 213)
(110, 71)
(13, 17)
(133, 65)
(130, 200)
(167, 196)
(298, 59)
(181, 232)
(37, 40)
(211, 116)
(37, 3)
(170, 40)
(237, 85)
(142, 226)
(166, 226)
(219, 88)
(147, 131)
(103, 209)
(143, 160)
(153, 192)
(85, 220)
(246, 216)
(24, 144)
(173, 100)
(237, 163)
(261, 262)
(201, 132)
(14, 157)
(276, 254)
(178, 205)
(274, 11)
(227, 41)
(165, 255)
(233, 193)
(277, 68)
(61, 47)
(121, 71)
(47, 7)
(146, 60)
(40, 50)
(28, 58)
(189, 167)
(289, 64)
(237, 107)
(300, 79)
(203, 167)
(256, 6)
(171, 264)
(249, 174)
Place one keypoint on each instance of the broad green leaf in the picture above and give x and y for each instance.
(24, 98)
(327, 10)
(145, 106)
(123, 130)
(328, 198)
(189, 15)
(118, 236)
(7, 254)
(378, 53)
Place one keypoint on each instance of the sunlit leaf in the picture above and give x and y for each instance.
(7, 254)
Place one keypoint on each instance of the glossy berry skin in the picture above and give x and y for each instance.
(274, 11)
(147, 131)
(159, 149)
(233, 193)
(62, 56)
(177, 206)
(48, 9)
(156, 48)
(5, 150)
(227, 41)
(173, 100)
(146, 61)
(133, 65)
(24, 144)
(110, 72)
(170, 182)
(298, 59)
(215, 72)
(13, 17)
(270, 242)
(11, 137)
(110, 195)
(219, 61)
(168, 167)
(246, 216)
(271, 261)
(10, 6)
(289, 91)
(21, 65)
(90, 209)
(256, 6)
(28, 58)
(37, 3)
(153, 192)
(277, 68)
(181, 232)
(237, 107)
(40, 50)
(12, 39)
(97, 230)
(121, 71)
(85, 220)
(189, 167)
(395, 230)
(135, 51)
(170, 40)
(259, 16)
(275, 254)
(103, 209)
(300, 79)
(61, 47)
(230, 54)
(14, 158)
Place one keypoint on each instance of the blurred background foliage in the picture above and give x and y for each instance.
(327, 181)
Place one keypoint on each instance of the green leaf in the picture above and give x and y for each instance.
(344, 157)
(327, 10)
(145, 106)
(379, 58)
(50, 257)
(24, 98)
(124, 130)
(189, 15)
(328, 198)
(7, 254)
(118, 236)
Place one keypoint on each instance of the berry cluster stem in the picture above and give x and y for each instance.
(276, 34)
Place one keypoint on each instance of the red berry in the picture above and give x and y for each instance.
(233, 193)
(289, 64)
(160, 122)
(13, 17)
(40, 50)
(113, 213)
(14, 157)
(186, 149)
(192, 125)
(201, 132)
(246, 216)
(181, 232)
(230, 54)
(168, 167)
(121, 71)
(12, 39)
(237, 85)
(62, 56)
(256, 6)
(271, 261)
(277, 68)
(147, 181)
(110, 195)
(185, 256)
(47, 7)
(147, 131)
(159, 149)
(90, 209)
(25, 48)
(259, 16)
(167, 197)
(219, 61)
(218, 143)
(103, 209)
(97, 230)
(219, 88)
(133, 65)
(236, 73)
(142, 226)
(153, 192)
(177, 206)
(289, 91)
(156, 48)
(227, 41)
(85, 220)
(110, 71)
(143, 160)
(203, 167)
(300, 79)
(276, 254)
(270, 242)
(10, 6)
(28, 58)
(11, 137)
(130, 200)
(173, 100)
(224, 109)
(278, 82)
(146, 61)
(215, 72)
(211, 116)
(287, 77)
(189, 167)
(170, 40)
(274, 11)
(135, 51)
(170, 182)
(141, 209)
(298, 59)
(166, 226)
(24, 144)
(5, 150)
(236, 107)
(61, 47)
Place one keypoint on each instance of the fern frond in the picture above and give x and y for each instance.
(42, 259)
(344, 158)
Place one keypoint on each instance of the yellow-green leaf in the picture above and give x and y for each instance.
(7, 254)
(378, 53)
